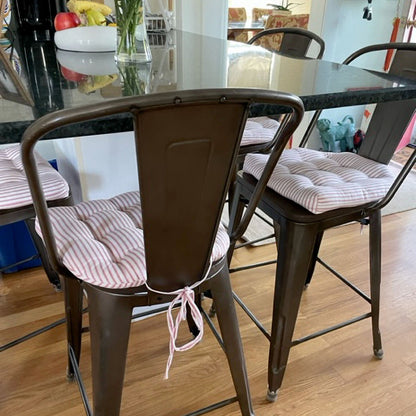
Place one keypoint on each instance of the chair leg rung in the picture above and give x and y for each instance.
(32, 334)
(344, 280)
(330, 329)
(212, 407)
(252, 266)
(252, 316)
(78, 378)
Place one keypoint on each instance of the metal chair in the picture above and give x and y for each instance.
(16, 205)
(303, 203)
(296, 43)
(160, 244)
(289, 41)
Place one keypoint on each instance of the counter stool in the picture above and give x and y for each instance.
(16, 205)
(309, 191)
(161, 244)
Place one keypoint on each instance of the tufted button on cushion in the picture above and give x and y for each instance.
(101, 242)
(14, 189)
(259, 130)
(323, 181)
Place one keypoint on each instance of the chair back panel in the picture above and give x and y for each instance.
(387, 126)
(257, 13)
(287, 20)
(184, 166)
(390, 120)
(404, 64)
(237, 14)
(295, 45)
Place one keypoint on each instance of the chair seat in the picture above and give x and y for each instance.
(14, 189)
(101, 242)
(259, 130)
(323, 181)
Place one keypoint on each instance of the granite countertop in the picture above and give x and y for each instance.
(62, 79)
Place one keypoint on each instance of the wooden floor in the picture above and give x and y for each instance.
(333, 375)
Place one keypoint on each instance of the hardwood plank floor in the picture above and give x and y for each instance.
(334, 375)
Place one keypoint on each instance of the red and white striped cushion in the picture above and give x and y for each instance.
(323, 181)
(101, 242)
(259, 130)
(14, 189)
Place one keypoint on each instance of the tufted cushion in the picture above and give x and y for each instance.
(321, 181)
(259, 130)
(14, 190)
(101, 242)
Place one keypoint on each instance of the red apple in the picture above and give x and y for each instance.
(72, 75)
(66, 20)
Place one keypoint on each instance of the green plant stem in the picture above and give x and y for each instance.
(129, 14)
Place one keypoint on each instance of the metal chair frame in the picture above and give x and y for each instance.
(295, 41)
(201, 173)
(300, 232)
(27, 214)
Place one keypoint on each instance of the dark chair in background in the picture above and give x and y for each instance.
(310, 191)
(289, 41)
(160, 244)
(16, 205)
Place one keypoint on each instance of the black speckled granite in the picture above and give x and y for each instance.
(320, 84)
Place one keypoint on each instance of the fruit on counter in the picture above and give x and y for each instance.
(93, 83)
(71, 75)
(81, 7)
(66, 20)
(95, 18)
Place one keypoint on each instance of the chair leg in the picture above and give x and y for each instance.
(110, 321)
(193, 329)
(73, 314)
(375, 279)
(296, 247)
(236, 213)
(227, 319)
(37, 241)
(314, 256)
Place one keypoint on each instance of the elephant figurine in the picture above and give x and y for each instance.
(342, 132)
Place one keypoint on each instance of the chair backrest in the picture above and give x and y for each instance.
(389, 120)
(186, 146)
(276, 20)
(258, 13)
(289, 41)
(237, 14)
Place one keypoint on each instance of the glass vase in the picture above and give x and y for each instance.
(135, 78)
(132, 39)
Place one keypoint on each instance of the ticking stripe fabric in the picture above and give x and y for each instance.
(259, 130)
(323, 181)
(101, 242)
(14, 189)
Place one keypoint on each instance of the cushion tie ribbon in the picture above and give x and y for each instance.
(185, 296)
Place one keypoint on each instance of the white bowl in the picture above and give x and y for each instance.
(87, 39)
(88, 63)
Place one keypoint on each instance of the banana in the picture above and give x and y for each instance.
(94, 17)
(95, 82)
(82, 6)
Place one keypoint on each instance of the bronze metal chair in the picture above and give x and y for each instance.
(289, 41)
(301, 213)
(16, 205)
(161, 243)
(296, 43)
